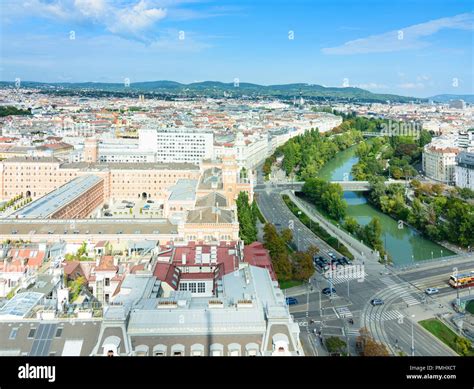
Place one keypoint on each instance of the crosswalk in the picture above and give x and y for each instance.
(400, 289)
(386, 316)
(410, 300)
(352, 332)
(343, 312)
(340, 278)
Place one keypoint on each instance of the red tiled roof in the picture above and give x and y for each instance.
(106, 263)
(165, 273)
(34, 257)
(257, 255)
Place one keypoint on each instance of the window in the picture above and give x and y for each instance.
(201, 287)
(13, 333)
(32, 333)
(107, 282)
(183, 286)
(192, 287)
(59, 332)
(107, 297)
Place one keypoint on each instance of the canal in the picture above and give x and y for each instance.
(404, 245)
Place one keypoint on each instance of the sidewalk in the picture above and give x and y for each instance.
(357, 248)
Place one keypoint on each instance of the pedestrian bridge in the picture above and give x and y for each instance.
(347, 186)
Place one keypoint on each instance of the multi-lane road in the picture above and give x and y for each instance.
(403, 293)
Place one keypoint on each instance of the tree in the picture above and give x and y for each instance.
(335, 344)
(462, 345)
(275, 244)
(369, 346)
(351, 225)
(287, 235)
(303, 267)
(247, 219)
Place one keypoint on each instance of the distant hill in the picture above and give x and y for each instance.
(448, 98)
(220, 89)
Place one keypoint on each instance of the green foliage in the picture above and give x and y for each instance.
(275, 244)
(371, 234)
(317, 229)
(335, 344)
(303, 267)
(326, 196)
(247, 217)
(459, 344)
(307, 153)
(75, 287)
(10, 110)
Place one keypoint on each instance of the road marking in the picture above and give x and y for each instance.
(343, 312)
(352, 332)
(385, 315)
(341, 279)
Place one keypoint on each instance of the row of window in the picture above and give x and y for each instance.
(193, 287)
(216, 350)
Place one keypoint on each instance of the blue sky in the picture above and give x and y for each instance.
(416, 48)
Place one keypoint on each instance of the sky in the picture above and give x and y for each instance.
(409, 47)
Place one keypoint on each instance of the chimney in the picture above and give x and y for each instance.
(183, 259)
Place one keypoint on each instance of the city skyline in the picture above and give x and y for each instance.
(405, 49)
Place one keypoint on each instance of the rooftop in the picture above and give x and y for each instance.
(183, 190)
(57, 199)
(20, 305)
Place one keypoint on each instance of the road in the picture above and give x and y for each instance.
(276, 212)
(390, 323)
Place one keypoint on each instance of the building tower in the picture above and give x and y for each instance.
(91, 150)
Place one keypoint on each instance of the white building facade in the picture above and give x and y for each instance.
(464, 171)
(439, 160)
(177, 145)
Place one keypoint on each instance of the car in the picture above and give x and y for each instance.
(340, 262)
(331, 254)
(146, 206)
(129, 206)
(328, 291)
(345, 260)
(291, 301)
(107, 214)
(277, 224)
(430, 291)
(150, 201)
(375, 302)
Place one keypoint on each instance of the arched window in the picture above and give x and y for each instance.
(159, 350)
(197, 350)
(141, 350)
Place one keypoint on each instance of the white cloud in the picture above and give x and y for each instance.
(403, 39)
(137, 18)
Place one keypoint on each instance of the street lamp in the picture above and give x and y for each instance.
(412, 337)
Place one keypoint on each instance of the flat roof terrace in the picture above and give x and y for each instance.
(63, 227)
(58, 198)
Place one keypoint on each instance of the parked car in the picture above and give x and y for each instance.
(150, 201)
(107, 214)
(331, 254)
(146, 206)
(430, 291)
(291, 301)
(328, 291)
(375, 302)
(129, 206)
(345, 260)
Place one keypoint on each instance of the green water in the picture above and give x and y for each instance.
(404, 245)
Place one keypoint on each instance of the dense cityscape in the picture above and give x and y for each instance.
(163, 218)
